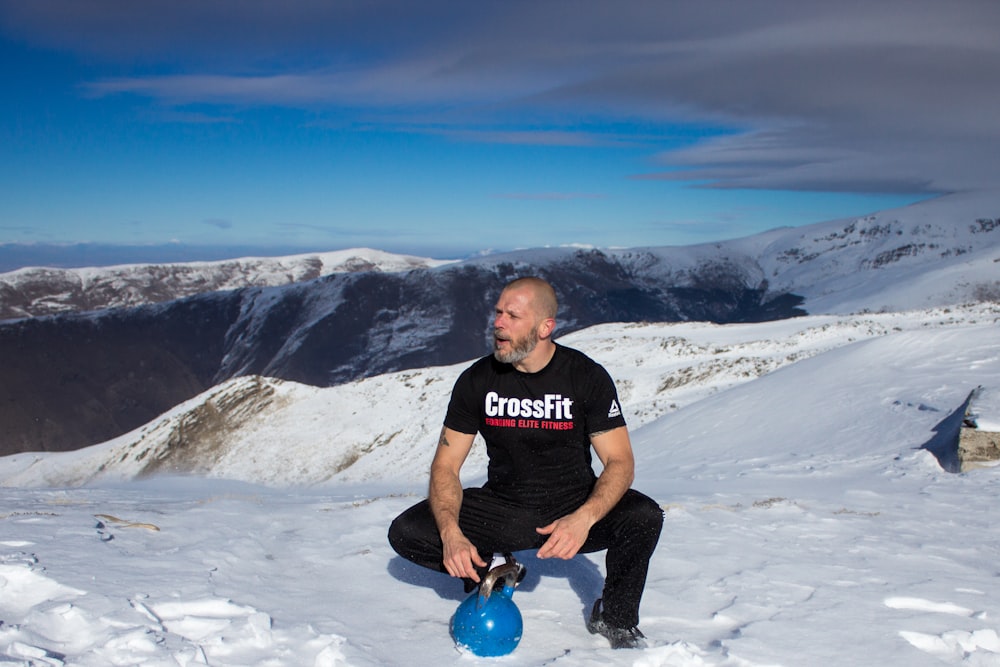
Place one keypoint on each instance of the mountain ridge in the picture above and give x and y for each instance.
(37, 291)
(68, 381)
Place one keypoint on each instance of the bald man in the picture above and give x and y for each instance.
(540, 407)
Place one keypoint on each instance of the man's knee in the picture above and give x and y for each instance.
(645, 514)
(397, 534)
(413, 535)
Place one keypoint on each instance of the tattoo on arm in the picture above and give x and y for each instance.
(443, 440)
(594, 434)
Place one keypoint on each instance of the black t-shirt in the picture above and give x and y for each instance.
(537, 426)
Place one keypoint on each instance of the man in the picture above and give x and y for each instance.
(540, 407)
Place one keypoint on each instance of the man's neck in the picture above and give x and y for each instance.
(539, 357)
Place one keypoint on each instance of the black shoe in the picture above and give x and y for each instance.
(471, 585)
(619, 637)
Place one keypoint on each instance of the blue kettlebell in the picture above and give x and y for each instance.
(488, 623)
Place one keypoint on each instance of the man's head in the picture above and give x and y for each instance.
(524, 317)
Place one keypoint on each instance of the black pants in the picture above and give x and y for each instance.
(629, 532)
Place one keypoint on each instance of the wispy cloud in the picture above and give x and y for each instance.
(186, 117)
(340, 231)
(549, 196)
(25, 230)
(218, 223)
(312, 228)
(899, 94)
(431, 83)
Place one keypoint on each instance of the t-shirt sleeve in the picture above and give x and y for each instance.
(604, 411)
(463, 408)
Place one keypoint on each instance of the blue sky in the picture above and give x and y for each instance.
(450, 128)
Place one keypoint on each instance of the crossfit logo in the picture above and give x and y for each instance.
(552, 412)
(550, 406)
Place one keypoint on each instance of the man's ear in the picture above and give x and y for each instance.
(546, 327)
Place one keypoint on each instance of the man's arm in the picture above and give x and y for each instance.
(567, 534)
(445, 496)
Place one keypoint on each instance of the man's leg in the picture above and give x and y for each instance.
(629, 532)
(414, 536)
(493, 525)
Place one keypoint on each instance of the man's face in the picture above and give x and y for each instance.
(515, 326)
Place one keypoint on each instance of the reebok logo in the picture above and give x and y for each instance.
(615, 410)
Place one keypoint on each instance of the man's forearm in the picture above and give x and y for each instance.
(458, 555)
(614, 481)
(445, 497)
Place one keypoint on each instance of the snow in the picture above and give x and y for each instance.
(804, 523)
(984, 409)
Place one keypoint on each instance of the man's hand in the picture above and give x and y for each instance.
(461, 558)
(566, 536)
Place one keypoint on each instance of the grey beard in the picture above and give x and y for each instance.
(519, 351)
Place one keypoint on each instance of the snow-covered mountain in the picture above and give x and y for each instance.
(78, 379)
(72, 380)
(37, 291)
(938, 252)
(281, 433)
(806, 520)
(835, 265)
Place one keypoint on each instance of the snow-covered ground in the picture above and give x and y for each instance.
(805, 523)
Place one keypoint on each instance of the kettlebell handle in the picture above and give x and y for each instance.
(508, 571)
